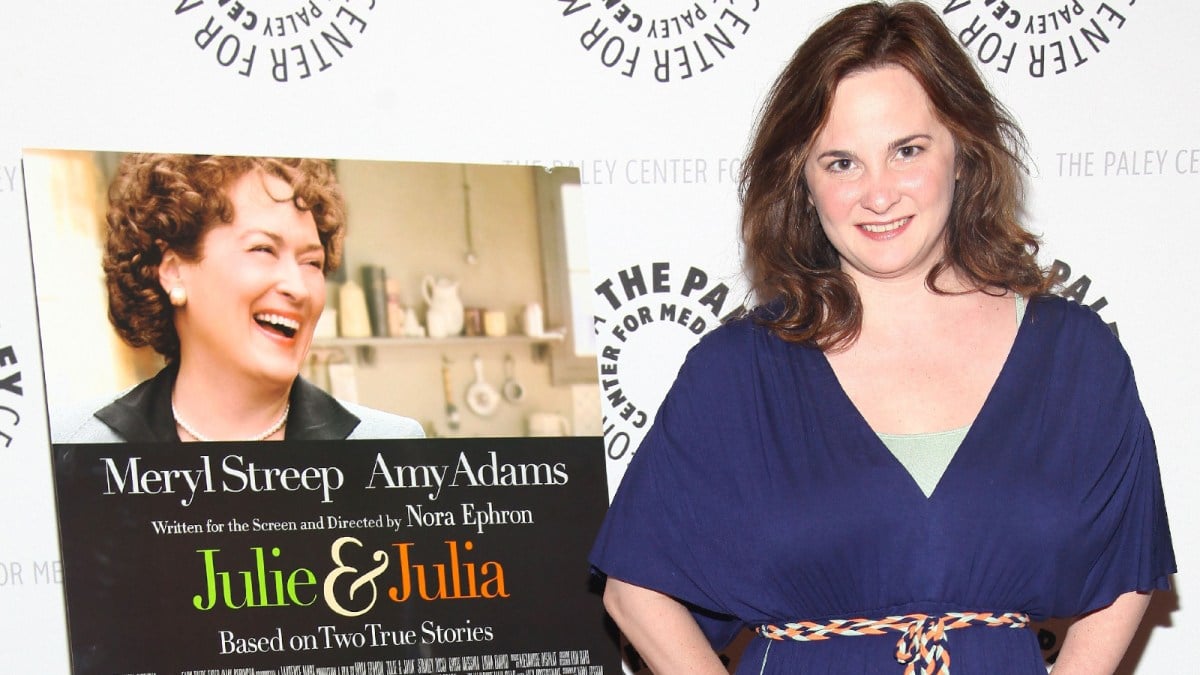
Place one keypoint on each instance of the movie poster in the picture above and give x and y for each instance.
(441, 472)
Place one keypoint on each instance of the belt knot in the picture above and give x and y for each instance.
(922, 647)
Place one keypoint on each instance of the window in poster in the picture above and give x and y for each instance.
(564, 251)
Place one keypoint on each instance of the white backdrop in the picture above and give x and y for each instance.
(654, 102)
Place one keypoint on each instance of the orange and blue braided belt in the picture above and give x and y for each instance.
(922, 645)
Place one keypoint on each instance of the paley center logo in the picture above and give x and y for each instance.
(11, 392)
(280, 40)
(649, 316)
(659, 40)
(1037, 38)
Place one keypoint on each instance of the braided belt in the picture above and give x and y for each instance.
(922, 647)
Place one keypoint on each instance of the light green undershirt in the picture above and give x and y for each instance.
(926, 456)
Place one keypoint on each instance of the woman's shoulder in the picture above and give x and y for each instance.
(319, 416)
(93, 421)
(746, 336)
(80, 425)
(739, 332)
(739, 352)
(1058, 308)
(720, 349)
(377, 424)
(1073, 326)
(1078, 358)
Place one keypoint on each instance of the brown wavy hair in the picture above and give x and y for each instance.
(168, 202)
(790, 262)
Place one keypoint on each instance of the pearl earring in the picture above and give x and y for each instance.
(178, 296)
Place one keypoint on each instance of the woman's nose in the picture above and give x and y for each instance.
(290, 279)
(881, 191)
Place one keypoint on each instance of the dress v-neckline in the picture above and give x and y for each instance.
(876, 444)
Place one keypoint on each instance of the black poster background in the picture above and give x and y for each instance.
(129, 590)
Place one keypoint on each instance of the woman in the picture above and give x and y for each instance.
(219, 264)
(903, 308)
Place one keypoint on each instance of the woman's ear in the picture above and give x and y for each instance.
(168, 270)
(170, 277)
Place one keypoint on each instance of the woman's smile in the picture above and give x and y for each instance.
(278, 324)
(884, 231)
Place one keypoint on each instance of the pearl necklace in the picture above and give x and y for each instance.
(261, 437)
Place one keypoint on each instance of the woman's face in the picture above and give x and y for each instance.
(256, 292)
(881, 176)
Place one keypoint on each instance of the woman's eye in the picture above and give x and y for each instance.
(909, 151)
(841, 165)
(262, 248)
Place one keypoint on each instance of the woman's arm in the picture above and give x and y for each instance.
(661, 629)
(1096, 642)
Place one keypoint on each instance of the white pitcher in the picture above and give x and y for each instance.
(442, 297)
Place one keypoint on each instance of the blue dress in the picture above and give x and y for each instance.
(761, 495)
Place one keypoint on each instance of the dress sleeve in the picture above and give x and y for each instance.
(1126, 517)
(660, 531)
(1125, 542)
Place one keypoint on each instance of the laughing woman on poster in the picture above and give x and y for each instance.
(910, 449)
(219, 265)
